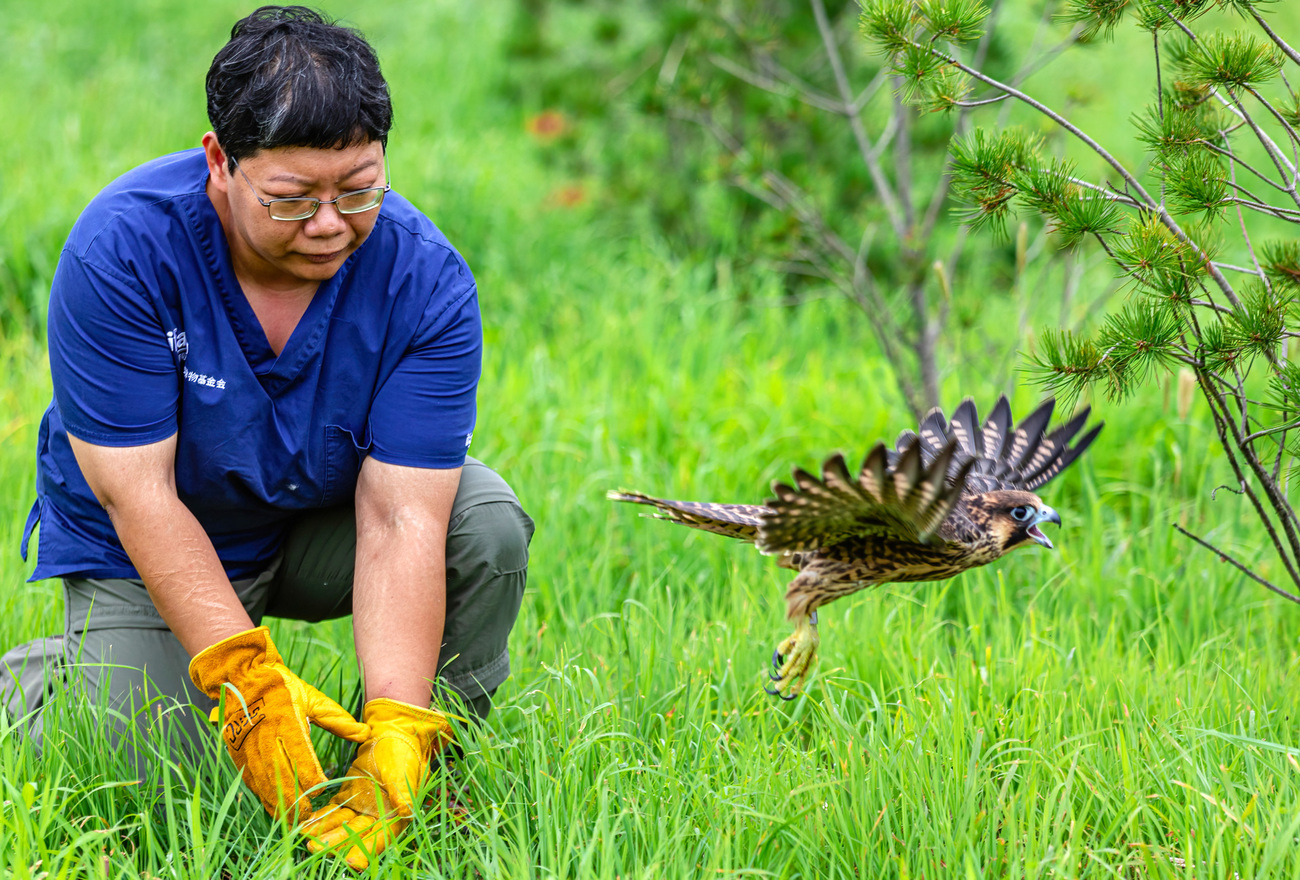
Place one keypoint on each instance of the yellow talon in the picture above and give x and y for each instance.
(794, 658)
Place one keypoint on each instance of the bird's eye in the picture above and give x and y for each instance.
(1020, 514)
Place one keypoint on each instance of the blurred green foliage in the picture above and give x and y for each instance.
(643, 85)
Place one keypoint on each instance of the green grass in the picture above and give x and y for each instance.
(1120, 708)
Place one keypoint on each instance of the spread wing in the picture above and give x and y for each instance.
(901, 497)
(733, 520)
(1004, 455)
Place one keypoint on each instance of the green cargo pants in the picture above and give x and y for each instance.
(117, 648)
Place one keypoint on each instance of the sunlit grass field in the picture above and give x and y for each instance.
(1120, 708)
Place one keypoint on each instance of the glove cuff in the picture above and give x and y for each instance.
(217, 664)
(428, 726)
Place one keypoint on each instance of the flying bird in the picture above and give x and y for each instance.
(948, 497)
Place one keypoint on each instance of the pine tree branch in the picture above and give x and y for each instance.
(1291, 53)
(1129, 180)
(1240, 110)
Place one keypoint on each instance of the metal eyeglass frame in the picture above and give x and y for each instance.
(316, 203)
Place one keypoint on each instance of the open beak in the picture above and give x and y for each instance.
(1047, 514)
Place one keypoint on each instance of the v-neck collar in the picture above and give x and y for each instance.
(272, 370)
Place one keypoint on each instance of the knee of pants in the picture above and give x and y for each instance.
(488, 540)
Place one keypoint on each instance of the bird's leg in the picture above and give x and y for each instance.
(793, 658)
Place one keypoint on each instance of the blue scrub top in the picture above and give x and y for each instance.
(150, 335)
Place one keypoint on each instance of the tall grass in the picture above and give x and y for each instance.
(1118, 708)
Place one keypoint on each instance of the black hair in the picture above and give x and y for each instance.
(290, 77)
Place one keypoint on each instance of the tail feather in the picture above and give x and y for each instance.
(733, 520)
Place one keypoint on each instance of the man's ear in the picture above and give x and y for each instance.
(218, 169)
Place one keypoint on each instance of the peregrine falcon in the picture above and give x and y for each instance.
(949, 497)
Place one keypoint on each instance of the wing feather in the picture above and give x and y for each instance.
(965, 427)
(905, 502)
(996, 429)
(1001, 453)
(933, 434)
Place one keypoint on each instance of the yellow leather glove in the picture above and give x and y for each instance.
(267, 710)
(376, 802)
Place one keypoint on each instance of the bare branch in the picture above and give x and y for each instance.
(1233, 156)
(1232, 182)
(781, 89)
(886, 137)
(864, 97)
(1276, 115)
(1237, 565)
(903, 164)
(999, 99)
(1283, 165)
(1212, 306)
(1223, 423)
(1110, 194)
(1288, 214)
(1245, 233)
(1048, 56)
(883, 189)
(1269, 431)
(1231, 268)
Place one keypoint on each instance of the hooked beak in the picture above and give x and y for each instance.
(1047, 514)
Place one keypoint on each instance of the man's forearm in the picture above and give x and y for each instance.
(399, 594)
(173, 555)
(180, 568)
(399, 608)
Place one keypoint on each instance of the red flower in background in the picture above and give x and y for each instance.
(547, 126)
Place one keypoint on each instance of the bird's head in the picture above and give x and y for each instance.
(1012, 518)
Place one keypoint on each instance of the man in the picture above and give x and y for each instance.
(265, 366)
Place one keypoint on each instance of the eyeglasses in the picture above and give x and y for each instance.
(356, 202)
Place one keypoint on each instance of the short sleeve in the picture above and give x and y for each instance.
(423, 414)
(115, 381)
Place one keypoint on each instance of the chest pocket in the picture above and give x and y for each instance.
(344, 452)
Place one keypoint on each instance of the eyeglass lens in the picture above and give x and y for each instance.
(349, 203)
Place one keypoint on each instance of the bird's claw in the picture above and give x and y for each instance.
(777, 693)
(778, 660)
(791, 661)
